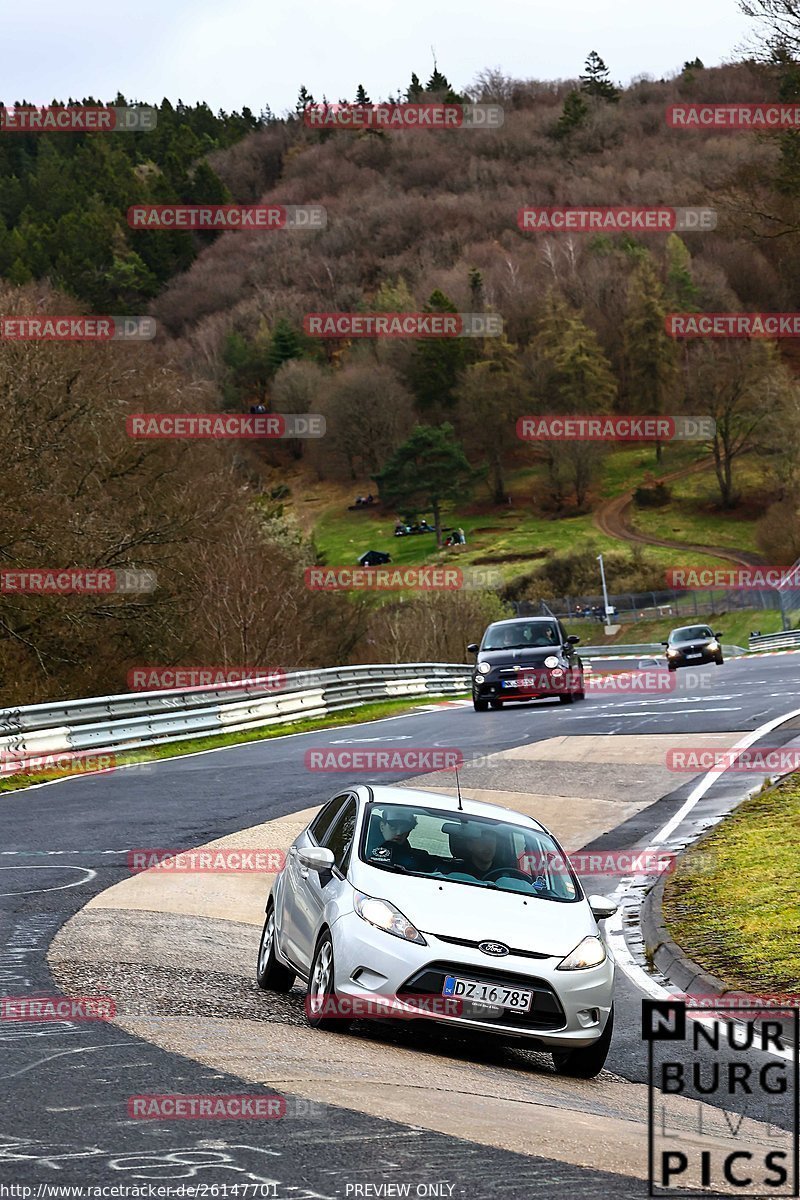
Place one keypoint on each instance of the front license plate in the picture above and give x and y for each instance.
(694, 656)
(509, 683)
(497, 994)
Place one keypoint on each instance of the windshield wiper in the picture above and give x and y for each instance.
(391, 867)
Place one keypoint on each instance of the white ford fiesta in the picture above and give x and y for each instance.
(396, 902)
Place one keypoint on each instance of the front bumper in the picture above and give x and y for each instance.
(683, 659)
(570, 1008)
(537, 684)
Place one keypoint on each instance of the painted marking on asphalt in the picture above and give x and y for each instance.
(611, 716)
(85, 871)
(713, 775)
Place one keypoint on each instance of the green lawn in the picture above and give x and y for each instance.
(694, 514)
(512, 539)
(733, 902)
(628, 466)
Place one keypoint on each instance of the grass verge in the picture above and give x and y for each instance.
(150, 754)
(733, 903)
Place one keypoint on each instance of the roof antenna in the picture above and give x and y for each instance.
(458, 790)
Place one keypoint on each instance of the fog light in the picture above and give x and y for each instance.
(557, 673)
(588, 1016)
(479, 678)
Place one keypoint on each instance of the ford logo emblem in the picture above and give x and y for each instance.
(497, 949)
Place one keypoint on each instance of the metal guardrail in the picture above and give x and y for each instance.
(788, 640)
(639, 650)
(133, 720)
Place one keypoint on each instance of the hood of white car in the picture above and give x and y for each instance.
(459, 910)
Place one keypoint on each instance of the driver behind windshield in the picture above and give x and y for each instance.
(395, 825)
(480, 851)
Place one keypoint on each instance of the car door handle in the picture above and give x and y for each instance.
(304, 872)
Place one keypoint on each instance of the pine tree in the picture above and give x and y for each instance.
(573, 115)
(284, 344)
(428, 470)
(650, 355)
(436, 362)
(415, 88)
(476, 289)
(304, 100)
(681, 289)
(597, 80)
(361, 95)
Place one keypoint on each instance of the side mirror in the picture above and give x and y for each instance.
(602, 907)
(473, 648)
(718, 635)
(316, 858)
(665, 643)
(572, 640)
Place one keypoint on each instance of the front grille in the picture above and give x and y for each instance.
(545, 1013)
(476, 945)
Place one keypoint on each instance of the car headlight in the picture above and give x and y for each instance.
(672, 652)
(551, 661)
(713, 644)
(588, 953)
(385, 916)
(484, 668)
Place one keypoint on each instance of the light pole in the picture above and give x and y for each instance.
(606, 607)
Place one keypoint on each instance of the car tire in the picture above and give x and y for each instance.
(719, 661)
(495, 703)
(672, 666)
(480, 705)
(567, 698)
(271, 975)
(588, 1061)
(320, 983)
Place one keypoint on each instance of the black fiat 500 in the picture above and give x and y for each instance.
(693, 644)
(526, 658)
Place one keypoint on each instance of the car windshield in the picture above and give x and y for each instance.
(690, 633)
(465, 849)
(520, 635)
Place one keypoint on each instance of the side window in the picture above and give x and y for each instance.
(340, 837)
(319, 827)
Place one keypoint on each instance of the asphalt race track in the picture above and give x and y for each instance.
(594, 770)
